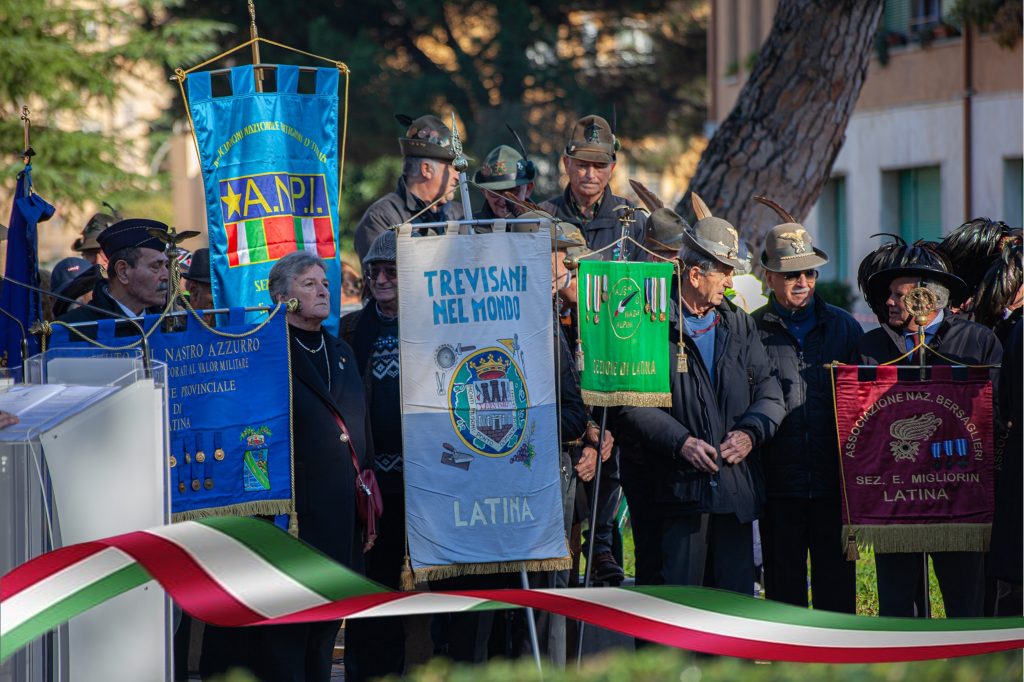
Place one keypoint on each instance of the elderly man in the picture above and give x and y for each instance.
(587, 201)
(504, 169)
(802, 333)
(427, 177)
(954, 340)
(137, 275)
(725, 404)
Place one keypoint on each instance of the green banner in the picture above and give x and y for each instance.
(623, 322)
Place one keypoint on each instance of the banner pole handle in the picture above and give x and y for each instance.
(593, 527)
(254, 38)
(531, 623)
(926, 597)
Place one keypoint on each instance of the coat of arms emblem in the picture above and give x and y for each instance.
(488, 401)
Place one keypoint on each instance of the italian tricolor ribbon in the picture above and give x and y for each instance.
(237, 571)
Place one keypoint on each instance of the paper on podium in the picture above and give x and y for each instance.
(41, 406)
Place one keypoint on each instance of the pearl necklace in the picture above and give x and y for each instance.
(314, 351)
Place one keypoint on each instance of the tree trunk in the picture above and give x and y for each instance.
(789, 122)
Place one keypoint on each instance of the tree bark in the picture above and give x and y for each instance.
(789, 121)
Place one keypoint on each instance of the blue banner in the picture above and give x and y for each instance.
(19, 305)
(270, 171)
(229, 412)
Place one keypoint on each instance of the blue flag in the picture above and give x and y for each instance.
(229, 424)
(270, 170)
(19, 305)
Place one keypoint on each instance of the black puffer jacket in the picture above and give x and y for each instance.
(605, 227)
(959, 339)
(745, 397)
(802, 459)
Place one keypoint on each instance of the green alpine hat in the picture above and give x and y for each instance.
(426, 137)
(592, 140)
(666, 227)
(505, 168)
(92, 229)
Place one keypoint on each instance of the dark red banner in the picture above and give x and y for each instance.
(916, 457)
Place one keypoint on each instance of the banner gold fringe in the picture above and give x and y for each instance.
(257, 508)
(937, 537)
(632, 398)
(410, 577)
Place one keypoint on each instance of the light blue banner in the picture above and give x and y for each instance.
(270, 171)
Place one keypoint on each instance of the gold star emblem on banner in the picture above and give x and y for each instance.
(233, 200)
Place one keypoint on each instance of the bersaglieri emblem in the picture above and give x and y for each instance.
(909, 433)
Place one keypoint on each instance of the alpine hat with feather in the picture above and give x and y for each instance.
(788, 246)
(714, 237)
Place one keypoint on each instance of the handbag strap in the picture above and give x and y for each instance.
(347, 438)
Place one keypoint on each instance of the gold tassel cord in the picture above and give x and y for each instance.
(412, 576)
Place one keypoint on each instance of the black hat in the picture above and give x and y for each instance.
(199, 268)
(65, 271)
(922, 260)
(131, 233)
(84, 281)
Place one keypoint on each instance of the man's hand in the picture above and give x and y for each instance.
(587, 466)
(699, 454)
(7, 419)
(594, 434)
(736, 446)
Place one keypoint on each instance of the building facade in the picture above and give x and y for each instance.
(935, 139)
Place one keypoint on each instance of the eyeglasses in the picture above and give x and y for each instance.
(374, 271)
(809, 274)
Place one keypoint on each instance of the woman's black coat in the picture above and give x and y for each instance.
(324, 474)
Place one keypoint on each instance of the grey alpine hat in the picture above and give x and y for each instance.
(665, 227)
(383, 249)
(564, 235)
(788, 247)
(714, 237)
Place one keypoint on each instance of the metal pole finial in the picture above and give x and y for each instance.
(461, 163)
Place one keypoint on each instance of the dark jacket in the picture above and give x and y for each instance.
(102, 299)
(394, 209)
(605, 227)
(802, 460)
(957, 338)
(746, 397)
(324, 474)
(1006, 558)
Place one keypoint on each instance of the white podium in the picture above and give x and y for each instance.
(88, 460)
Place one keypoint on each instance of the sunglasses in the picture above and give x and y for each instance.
(809, 274)
(374, 271)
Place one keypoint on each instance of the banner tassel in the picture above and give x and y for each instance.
(852, 553)
(579, 357)
(681, 365)
(408, 579)
(293, 524)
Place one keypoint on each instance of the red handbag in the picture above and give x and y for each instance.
(369, 501)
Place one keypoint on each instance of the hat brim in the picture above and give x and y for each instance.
(879, 282)
(710, 250)
(203, 280)
(499, 185)
(86, 244)
(425, 150)
(798, 263)
(591, 154)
